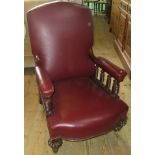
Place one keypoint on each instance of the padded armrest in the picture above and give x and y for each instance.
(110, 68)
(45, 85)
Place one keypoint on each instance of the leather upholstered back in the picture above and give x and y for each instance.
(61, 36)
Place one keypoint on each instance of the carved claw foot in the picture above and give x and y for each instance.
(55, 144)
(120, 124)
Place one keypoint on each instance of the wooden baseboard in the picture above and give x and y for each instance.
(123, 59)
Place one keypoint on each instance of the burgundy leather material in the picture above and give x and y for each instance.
(82, 110)
(45, 85)
(61, 36)
(110, 68)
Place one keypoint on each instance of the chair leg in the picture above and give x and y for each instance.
(120, 124)
(55, 144)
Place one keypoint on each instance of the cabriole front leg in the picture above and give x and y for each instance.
(120, 124)
(55, 144)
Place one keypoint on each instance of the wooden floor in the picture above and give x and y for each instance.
(36, 133)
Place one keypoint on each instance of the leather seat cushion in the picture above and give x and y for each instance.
(83, 110)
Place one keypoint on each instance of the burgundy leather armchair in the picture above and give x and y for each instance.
(79, 91)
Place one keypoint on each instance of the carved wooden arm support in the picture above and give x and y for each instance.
(113, 70)
(46, 89)
(104, 66)
(47, 104)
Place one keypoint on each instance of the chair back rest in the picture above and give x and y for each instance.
(61, 36)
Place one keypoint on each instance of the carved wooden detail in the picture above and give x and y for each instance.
(48, 106)
(102, 74)
(120, 124)
(115, 88)
(107, 86)
(108, 83)
(55, 144)
(96, 71)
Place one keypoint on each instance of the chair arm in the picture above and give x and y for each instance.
(115, 71)
(45, 85)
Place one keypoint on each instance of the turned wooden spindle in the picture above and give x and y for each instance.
(96, 75)
(102, 77)
(115, 88)
(108, 83)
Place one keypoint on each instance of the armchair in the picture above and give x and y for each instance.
(79, 91)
